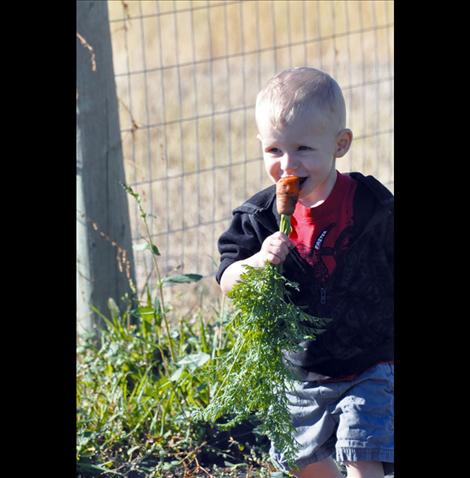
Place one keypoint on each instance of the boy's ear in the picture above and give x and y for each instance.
(343, 142)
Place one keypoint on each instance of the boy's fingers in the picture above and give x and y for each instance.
(289, 244)
(281, 239)
(274, 259)
(277, 247)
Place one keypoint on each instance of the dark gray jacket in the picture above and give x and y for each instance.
(359, 294)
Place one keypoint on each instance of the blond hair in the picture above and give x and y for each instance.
(296, 90)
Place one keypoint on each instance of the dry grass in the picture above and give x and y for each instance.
(208, 60)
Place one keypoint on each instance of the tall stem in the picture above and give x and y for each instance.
(284, 227)
(160, 290)
(143, 215)
(284, 224)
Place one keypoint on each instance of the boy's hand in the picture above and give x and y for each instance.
(275, 248)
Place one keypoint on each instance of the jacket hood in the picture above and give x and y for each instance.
(265, 200)
(380, 192)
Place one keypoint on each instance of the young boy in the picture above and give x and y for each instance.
(340, 252)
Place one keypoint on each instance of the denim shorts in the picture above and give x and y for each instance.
(348, 420)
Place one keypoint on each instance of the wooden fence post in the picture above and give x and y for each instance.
(104, 244)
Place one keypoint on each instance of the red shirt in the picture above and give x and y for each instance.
(321, 233)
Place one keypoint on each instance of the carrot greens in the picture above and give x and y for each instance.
(266, 323)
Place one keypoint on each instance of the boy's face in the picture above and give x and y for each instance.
(306, 148)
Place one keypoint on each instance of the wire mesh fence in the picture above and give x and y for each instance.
(187, 74)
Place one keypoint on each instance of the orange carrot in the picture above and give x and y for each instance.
(287, 194)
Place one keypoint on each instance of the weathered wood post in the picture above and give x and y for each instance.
(104, 246)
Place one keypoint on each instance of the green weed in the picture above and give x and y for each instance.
(140, 382)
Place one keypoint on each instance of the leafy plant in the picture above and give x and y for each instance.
(139, 381)
(266, 324)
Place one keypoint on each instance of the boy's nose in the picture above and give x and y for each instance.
(288, 163)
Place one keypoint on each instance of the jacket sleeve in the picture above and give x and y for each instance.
(241, 240)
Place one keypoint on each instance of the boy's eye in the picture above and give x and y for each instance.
(273, 150)
(305, 148)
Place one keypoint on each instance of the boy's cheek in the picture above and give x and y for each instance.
(274, 177)
(272, 170)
